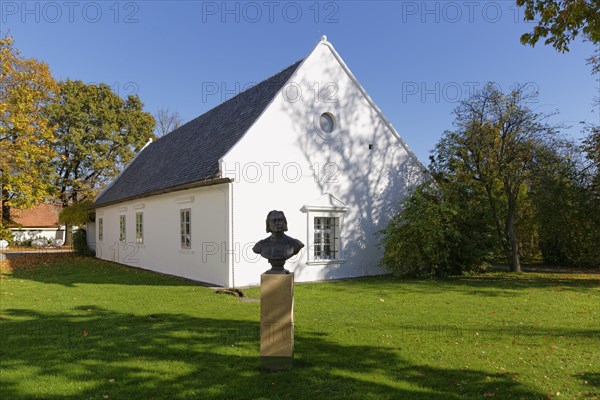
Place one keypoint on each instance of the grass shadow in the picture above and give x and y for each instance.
(65, 269)
(164, 356)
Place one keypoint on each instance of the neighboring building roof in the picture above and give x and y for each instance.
(191, 153)
(41, 216)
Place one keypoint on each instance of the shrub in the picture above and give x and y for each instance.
(23, 242)
(80, 244)
(441, 231)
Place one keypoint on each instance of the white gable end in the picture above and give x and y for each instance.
(286, 160)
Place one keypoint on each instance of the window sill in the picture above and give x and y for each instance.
(140, 245)
(186, 251)
(325, 262)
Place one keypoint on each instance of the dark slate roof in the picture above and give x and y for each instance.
(191, 153)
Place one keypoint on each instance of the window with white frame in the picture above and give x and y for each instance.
(185, 223)
(139, 227)
(100, 229)
(122, 226)
(326, 244)
(325, 229)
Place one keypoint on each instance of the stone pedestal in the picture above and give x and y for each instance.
(276, 321)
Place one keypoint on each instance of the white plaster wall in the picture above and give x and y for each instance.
(285, 141)
(90, 230)
(206, 261)
(50, 234)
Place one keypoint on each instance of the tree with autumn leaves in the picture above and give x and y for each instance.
(98, 133)
(26, 137)
(62, 140)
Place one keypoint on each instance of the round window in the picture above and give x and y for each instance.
(327, 123)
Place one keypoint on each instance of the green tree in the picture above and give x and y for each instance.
(26, 87)
(561, 21)
(567, 212)
(97, 134)
(491, 150)
(527, 226)
(76, 214)
(591, 146)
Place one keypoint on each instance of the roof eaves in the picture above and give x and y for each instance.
(193, 185)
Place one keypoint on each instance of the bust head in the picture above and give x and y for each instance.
(276, 222)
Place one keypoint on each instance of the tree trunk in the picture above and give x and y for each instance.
(68, 227)
(68, 235)
(512, 248)
(513, 256)
(5, 210)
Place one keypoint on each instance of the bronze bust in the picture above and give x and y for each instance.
(278, 247)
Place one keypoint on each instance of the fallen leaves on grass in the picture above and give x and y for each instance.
(28, 263)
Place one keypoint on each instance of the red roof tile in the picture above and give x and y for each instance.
(41, 216)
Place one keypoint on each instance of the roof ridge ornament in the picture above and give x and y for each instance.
(324, 38)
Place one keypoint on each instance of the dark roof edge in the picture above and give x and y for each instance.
(193, 185)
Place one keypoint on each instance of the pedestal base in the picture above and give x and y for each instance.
(276, 321)
(276, 363)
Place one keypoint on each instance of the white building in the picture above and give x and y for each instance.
(308, 141)
(40, 222)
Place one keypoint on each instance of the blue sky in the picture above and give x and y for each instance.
(416, 59)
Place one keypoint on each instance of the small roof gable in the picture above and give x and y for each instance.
(191, 153)
(325, 202)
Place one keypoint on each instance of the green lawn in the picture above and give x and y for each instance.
(74, 328)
